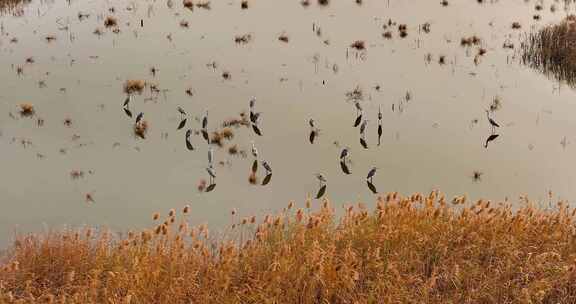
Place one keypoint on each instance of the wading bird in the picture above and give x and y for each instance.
(212, 173)
(188, 144)
(320, 178)
(205, 121)
(181, 111)
(254, 117)
(267, 167)
(210, 156)
(492, 122)
(311, 123)
(363, 126)
(358, 107)
(371, 174)
(344, 154)
(254, 150)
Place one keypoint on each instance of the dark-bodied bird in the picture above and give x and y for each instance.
(363, 126)
(188, 144)
(205, 121)
(379, 125)
(181, 111)
(254, 117)
(358, 120)
(490, 138)
(267, 167)
(256, 129)
(358, 107)
(311, 123)
(139, 117)
(371, 174)
(344, 154)
(182, 124)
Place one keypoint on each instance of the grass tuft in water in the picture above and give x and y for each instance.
(551, 50)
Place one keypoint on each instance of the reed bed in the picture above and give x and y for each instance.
(12, 6)
(551, 50)
(416, 249)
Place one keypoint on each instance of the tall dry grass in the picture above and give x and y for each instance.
(552, 50)
(12, 6)
(417, 249)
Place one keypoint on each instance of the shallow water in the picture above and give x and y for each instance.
(428, 142)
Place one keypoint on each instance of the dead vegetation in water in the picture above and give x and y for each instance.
(357, 94)
(188, 4)
(415, 249)
(241, 121)
(134, 86)
(243, 39)
(110, 21)
(470, 41)
(218, 137)
(27, 110)
(284, 38)
(204, 5)
(358, 45)
(14, 7)
(551, 50)
(184, 24)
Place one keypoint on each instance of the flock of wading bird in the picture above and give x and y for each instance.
(361, 122)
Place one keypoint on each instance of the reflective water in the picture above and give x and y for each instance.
(434, 125)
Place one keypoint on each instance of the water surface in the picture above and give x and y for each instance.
(435, 140)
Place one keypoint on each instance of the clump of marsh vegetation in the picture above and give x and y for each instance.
(27, 110)
(284, 38)
(358, 45)
(204, 5)
(415, 249)
(357, 94)
(110, 21)
(217, 138)
(551, 50)
(243, 39)
(470, 41)
(134, 86)
(237, 122)
(188, 4)
(12, 6)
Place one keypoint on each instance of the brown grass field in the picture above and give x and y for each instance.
(417, 249)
